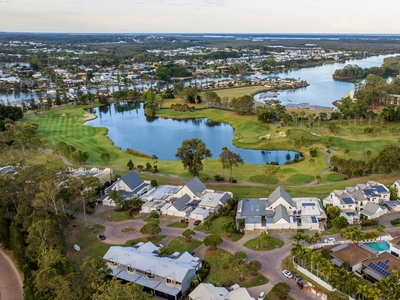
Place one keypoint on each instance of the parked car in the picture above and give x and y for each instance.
(329, 240)
(287, 273)
(197, 222)
(102, 236)
(298, 277)
(261, 296)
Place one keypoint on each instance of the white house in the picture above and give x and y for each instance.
(207, 291)
(396, 185)
(280, 211)
(165, 277)
(373, 211)
(128, 186)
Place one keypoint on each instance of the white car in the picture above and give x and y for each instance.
(287, 273)
(261, 296)
(329, 240)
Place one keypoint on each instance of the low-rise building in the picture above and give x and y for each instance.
(280, 211)
(165, 277)
(207, 291)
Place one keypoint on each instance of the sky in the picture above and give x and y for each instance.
(201, 16)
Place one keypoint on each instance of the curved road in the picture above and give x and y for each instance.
(271, 260)
(10, 280)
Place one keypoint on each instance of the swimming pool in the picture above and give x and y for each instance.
(378, 246)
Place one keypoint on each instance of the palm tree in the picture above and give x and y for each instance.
(116, 197)
(362, 290)
(380, 229)
(196, 280)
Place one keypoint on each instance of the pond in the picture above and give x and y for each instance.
(128, 127)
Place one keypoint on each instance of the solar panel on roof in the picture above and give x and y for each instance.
(308, 204)
(380, 189)
(386, 261)
(314, 219)
(370, 264)
(348, 200)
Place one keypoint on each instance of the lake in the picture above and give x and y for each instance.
(128, 127)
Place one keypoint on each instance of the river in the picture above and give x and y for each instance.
(323, 90)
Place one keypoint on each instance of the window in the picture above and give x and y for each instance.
(170, 280)
(130, 269)
(112, 262)
(150, 274)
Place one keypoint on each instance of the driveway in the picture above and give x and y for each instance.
(271, 260)
(10, 281)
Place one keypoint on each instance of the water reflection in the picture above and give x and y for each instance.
(163, 137)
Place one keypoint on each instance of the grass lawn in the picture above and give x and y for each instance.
(333, 230)
(216, 227)
(227, 277)
(157, 240)
(152, 220)
(67, 124)
(331, 176)
(178, 225)
(86, 239)
(116, 216)
(179, 244)
(264, 242)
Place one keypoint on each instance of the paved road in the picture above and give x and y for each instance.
(10, 281)
(271, 260)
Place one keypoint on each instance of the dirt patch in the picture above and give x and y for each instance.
(280, 134)
(88, 116)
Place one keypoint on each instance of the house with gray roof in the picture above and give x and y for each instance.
(207, 291)
(128, 186)
(165, 277)
(280, 211)
(373, 211)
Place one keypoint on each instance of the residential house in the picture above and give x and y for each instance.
(128, 186)
(165, 277)
(207, 291)
(193, 200)
(352, 200)
(373, 211)
(396, 185)
(353, 254)
(393, 205)
(280, 211)
(380, 266)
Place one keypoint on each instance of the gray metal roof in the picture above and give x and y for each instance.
(255, 207)
(280, 192)
(132, 180)
(369, 209)
(196, 186)
(281, 213)
(181, 202)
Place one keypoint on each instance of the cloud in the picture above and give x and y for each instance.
(4, 1)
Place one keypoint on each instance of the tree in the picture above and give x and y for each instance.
(230, 228)
(281, 290)
(388, 159)
(230, 159)
(340, 222)
(150, 229)
(154, 183)
(243, 105)
(211, 98)
(191, 153)
(105, 157)
(188, 233)
(208, 224)
(269, 171)
(255, 266)
(332, 212)
(130, 164)
(212, 240)
(115, 290)
(80, 157)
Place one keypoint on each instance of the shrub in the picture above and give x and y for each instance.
(395, 222)
(218, 178)
(369, 222)
(138, 153)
